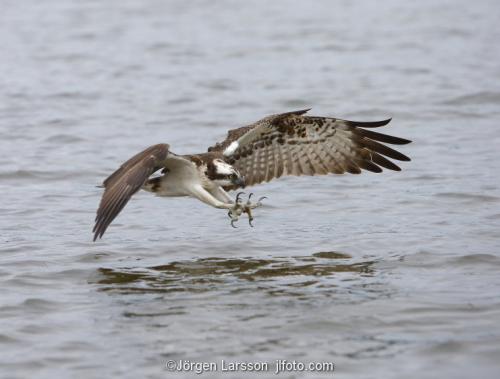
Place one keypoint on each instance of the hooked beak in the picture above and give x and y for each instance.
(240, 182)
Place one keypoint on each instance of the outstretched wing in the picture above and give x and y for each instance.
(295, 144)
(124, 182)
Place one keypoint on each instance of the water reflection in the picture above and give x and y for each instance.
(237, 274)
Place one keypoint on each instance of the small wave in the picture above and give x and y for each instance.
(221, 85)
(423, 177)
(31, 175)
(468, 196)
(333, 47)
(64, 139)
(483, 97)
(76, 95)
(469, 259)
(7, 339)
(182, 100)
(160, 46)
(493, 216)
(173, 312)
(36, 304)
(331, 255)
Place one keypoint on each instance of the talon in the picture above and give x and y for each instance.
(238, 200)
(249, 197)
(250, 219)
(232, 224)
(262, 198)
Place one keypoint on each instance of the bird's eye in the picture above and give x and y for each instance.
(234, 176)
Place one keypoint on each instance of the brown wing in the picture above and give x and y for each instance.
(124, 182)
(294, 144)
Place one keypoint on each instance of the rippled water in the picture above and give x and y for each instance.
(384, 275)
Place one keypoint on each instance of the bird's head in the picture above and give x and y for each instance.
(223, 174)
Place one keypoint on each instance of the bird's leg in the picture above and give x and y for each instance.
(221, 200)
(247, 208)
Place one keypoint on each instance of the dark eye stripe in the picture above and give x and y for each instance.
(213, 176)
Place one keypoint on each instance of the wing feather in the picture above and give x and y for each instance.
(125, 182)
(295, 144)
(287, 160)
(271, 163)
(279, 162)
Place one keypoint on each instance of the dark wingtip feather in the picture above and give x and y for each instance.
(298, 113)
(404, 141)
(95, 230)
(381, 137)
(370, 124)
(384, 150)
(384, 162)
(368, 165)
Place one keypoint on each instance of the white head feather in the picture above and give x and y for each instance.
(223, 168)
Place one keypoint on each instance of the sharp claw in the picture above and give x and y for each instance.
(249, 197)
(250, 221)
(262, 198)
(238, 197)
(232, 224)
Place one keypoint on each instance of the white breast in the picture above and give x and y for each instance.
(179, 180)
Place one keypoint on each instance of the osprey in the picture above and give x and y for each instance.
(282, 144)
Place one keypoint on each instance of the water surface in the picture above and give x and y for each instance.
(386, 275)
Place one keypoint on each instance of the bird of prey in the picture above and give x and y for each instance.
(278, 145)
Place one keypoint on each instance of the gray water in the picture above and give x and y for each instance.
(385, 275)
